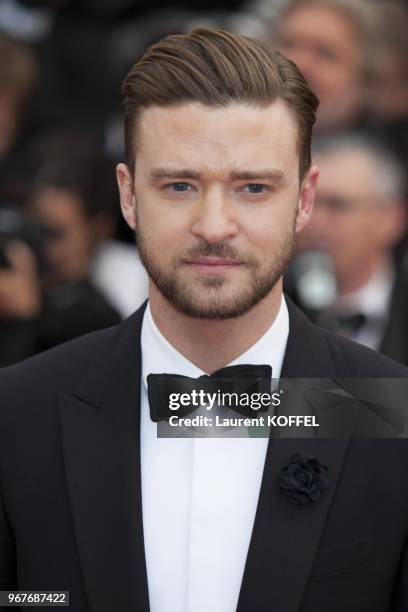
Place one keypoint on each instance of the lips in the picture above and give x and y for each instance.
(214, 261)
(213, 265)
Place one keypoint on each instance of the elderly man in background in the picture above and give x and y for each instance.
(359, 218)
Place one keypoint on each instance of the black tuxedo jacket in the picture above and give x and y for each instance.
(395, 340)
(70, 491)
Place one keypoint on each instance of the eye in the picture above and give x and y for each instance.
(255, 188)
(327, 54)
(179, 187)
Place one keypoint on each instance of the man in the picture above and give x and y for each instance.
(330, 41)
(46, 293)
(78, 196)
(358, 223)
(217, 181)
(389, 85)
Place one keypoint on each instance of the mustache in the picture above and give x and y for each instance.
(222, 250)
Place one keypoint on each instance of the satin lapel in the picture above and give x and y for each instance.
(285, 537)
(101, 444)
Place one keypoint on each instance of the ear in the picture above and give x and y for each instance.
(306, 198)
(127, 195)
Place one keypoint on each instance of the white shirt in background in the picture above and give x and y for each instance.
(120, 276)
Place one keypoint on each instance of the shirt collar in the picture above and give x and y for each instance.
(159, 356)
(372, 299)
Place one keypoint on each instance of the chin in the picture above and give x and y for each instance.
(214, 307)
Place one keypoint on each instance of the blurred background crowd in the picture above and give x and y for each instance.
(68, 264)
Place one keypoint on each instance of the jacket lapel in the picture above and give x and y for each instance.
(285, 537)
(101, 445)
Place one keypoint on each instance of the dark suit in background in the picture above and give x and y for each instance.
(70, 310)
(394, 330)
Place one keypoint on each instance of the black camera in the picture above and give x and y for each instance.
(17, 226)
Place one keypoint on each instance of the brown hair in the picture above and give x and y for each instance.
(215, 68)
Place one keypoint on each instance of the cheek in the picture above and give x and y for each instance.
(269, 235)
(55, 253)
(79, 241)
(161, 232)
(158, 240)
(158, 217)
(166, 229)
(332, 81)
(73, 250)
(342, 235)
(350, 238)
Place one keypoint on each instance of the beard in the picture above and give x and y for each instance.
(216, 298)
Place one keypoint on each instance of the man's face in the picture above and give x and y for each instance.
(351, 220)
(214, 203)
(68, 251)
(323, 44)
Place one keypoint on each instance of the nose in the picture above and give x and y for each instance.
(215, 220)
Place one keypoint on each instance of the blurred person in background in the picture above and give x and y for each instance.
(76, 194)
(388, 102)
(50, 299)
(18, 75)
(17, 78)
(330, 41)
(356, 224)
(389, 99)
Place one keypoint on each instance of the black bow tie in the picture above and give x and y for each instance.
(246, 378)
(351, 323)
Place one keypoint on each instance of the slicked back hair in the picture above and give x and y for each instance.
(216, 68)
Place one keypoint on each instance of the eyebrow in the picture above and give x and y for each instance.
(272, 175)
(277, 176)
(170, 173)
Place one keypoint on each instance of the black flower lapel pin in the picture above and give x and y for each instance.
(303, 479)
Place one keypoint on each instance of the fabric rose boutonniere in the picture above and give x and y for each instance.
(304, 479)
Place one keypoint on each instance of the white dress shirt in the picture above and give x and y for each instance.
(373, 301)
(199, 495)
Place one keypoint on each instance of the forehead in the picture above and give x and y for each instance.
(346, 172)
(238, 136)
(335, 27)
(57, 205)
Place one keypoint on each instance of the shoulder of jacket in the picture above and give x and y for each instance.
(59, 367)
(355, 360)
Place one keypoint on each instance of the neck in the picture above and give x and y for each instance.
(212, 344)
(353, 280)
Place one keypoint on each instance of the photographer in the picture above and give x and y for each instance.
(46, 297)
(20, 304)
